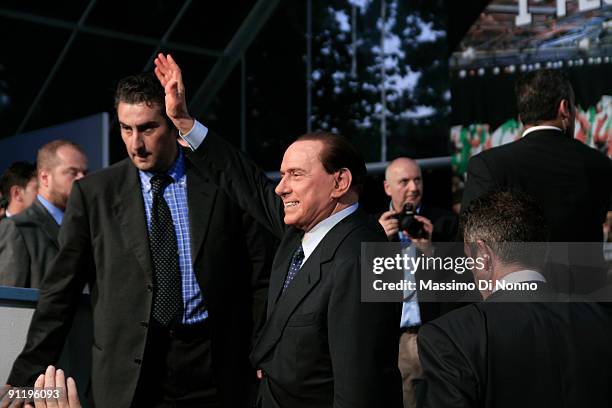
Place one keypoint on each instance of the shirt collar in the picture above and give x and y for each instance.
(317, 233)
(536, 128)
(177, 172)
(56, 213)
(525, 275)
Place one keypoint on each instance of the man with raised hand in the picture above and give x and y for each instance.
(321, 346)
(177, 273)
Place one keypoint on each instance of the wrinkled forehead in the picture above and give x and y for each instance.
(303, 154)
(404, 170)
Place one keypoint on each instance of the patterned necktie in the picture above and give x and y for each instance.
(296, 264)
(167, 299)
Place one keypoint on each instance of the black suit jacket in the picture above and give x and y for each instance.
(321, 346)
(572, 184)
(531, 354)
(28, 245)
(571, 181)
(103, 241)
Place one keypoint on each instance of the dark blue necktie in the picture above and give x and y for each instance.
(296, 264)
(167, 298)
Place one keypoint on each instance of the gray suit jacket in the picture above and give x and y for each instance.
(28, 245)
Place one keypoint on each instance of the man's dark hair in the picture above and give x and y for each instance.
(142, 88)
(501, 219)
(18, 174)
(538, 94)
(340, 153)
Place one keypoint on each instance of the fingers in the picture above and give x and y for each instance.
(50, 382)
(389, 223)
(162, 69)
(4, 400)
(73, 396)
(60, 381)
(50, 377)
(39, 384)
(427, 225)
(424, 220)
(160, 76)
(390, 231)
(169, 75)
(387, 215)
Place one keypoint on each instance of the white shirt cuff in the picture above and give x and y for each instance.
(195, 136)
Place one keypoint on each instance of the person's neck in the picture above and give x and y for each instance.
(48, 197)
(555, 123)
(500, 271)
(15, 208)
(340, 205)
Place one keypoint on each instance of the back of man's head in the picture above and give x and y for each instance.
(340, 153)
(142, 88)
(539, 93)
(507, 221)
(18, 174)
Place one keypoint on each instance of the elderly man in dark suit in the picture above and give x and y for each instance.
(321, 346)
(178, 273)
(521, 347)
(28, 240)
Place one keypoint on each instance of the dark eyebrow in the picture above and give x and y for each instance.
(143, 126)
(147, 125)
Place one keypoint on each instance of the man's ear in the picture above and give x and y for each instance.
(565, 109)
(343, 180)
(15, 193)
(484, 251)
(387, 188)
(43, 178)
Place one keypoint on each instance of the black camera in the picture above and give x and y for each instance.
(408, 223)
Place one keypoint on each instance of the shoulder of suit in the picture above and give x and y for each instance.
(115, 174)
(30, 216)
(595, 156)
(360, 228)
(504, 150)
(460, 326)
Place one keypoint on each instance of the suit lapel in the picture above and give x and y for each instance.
(279, 313)
(307, 277)
(46, 222)
(303, 283)
(129, 210)
(201, 195)
(281, 266)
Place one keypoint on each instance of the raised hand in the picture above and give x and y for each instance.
(169, 75)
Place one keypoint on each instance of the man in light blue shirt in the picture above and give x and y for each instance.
(404, 186)
(28, 240)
